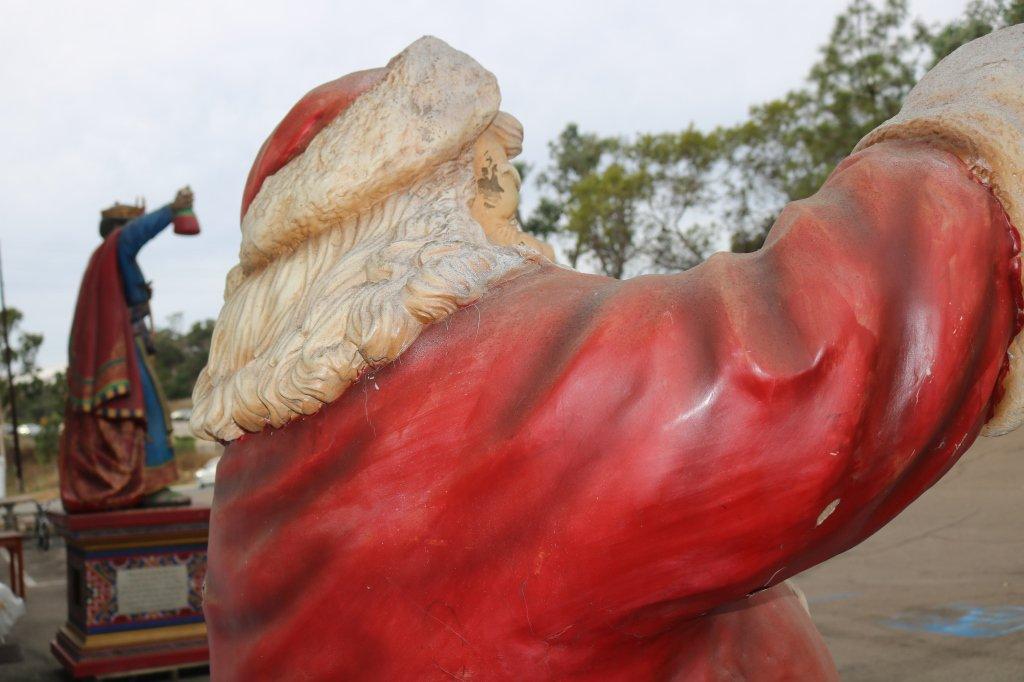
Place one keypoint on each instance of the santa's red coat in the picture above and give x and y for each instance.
(586, 479)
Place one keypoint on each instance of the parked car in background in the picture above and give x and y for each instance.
(182, 415)
(207, 473)
(29, 430)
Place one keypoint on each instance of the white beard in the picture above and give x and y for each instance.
(294, 335)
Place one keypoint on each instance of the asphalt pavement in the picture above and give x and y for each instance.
(938, 594)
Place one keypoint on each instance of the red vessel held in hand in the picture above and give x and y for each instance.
(185, 222)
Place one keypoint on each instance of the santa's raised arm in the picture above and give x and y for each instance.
(450, 457)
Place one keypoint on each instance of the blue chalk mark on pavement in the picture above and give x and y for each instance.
(964, 620)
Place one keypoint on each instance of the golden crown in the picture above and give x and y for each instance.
(124, 211)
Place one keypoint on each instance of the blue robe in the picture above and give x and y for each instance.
(133, 237)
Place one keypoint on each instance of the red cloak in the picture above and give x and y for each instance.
(589, 479)
(103, 446)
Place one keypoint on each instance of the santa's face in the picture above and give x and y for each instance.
(497, 190)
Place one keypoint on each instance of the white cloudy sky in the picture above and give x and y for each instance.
(105, 101)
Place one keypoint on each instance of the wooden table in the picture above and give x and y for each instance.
(11, 541)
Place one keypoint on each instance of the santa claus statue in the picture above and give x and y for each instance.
(451, 458)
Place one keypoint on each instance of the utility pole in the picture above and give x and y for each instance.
(10, 384)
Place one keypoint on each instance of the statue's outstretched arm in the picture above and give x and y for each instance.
(771, 410)
(573, 465)
(138, 232)
(777, 408)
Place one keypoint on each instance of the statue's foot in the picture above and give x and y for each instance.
(165, 497)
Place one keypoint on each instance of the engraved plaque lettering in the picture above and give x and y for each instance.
(157, 588)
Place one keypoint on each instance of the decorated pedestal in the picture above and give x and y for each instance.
(135, 590)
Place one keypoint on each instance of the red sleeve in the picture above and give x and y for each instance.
(574, 462)
(764, 412)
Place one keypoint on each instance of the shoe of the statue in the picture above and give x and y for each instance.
(165, 497)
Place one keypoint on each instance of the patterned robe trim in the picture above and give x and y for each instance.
(102, 367)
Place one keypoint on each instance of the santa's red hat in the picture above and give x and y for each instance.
(309, 116)
(352, 142)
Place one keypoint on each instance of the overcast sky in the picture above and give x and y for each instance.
(113, 100)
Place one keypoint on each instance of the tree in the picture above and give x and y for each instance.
(574, 156)
(789, 146)
(979, 19)
(681, 174)
(23, 353)
(39, 401)
(602, 215)
(629, 206)
(38, 398)
(625, 205)
(181, 355)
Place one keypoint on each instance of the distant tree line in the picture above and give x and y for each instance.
(181, 354)
(40, 400)
(660, 202)
(37, 397)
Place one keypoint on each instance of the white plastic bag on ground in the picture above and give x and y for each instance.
(12, 607)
